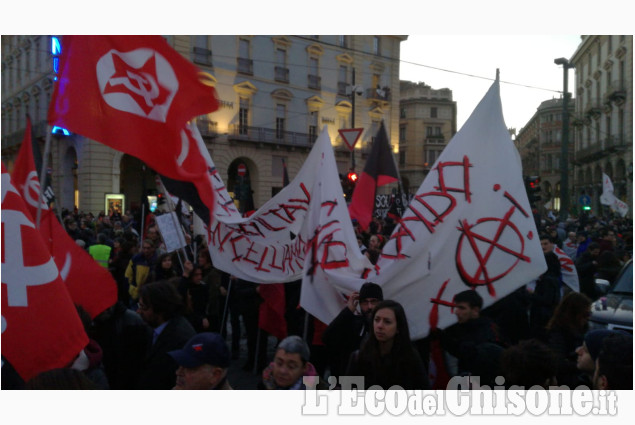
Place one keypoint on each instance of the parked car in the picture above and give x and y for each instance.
(614, 310)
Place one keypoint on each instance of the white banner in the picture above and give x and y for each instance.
(608, 197)
(468, 226)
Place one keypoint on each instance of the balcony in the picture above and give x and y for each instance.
(245, 66)
(281, 74)
(270, 136)
(616, 92)
(589, 154)
(207, 127)
(593, 108)
(315, 82)
(382, 94)
(615, 143)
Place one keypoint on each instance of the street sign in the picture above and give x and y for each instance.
(584, 200)
(242, 170)
(350, 136)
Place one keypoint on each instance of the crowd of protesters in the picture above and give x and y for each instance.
(170, 327)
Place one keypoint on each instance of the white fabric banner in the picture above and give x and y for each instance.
(567, 269)
(608, 197)
(469, 226)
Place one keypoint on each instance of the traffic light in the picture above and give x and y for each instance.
(160, 199)
(532, 186)
(349, 184)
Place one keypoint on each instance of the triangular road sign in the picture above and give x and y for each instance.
(350, 136)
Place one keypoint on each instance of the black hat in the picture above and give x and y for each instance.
(371, 290)
(593, 340)
(204, 348)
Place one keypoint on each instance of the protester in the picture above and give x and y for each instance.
(388, 357)
(290, 364)
(570, 245)
(101, 252)
(475, 341)
(60, 379)
(164, 268)
(527, 364)
(203, 363)
(139, 268)
(544, 297)
(588, 353)
(346, 332)
(614, 365)
(249, 301)
(565, 333)
(161, 307)
(586, 266)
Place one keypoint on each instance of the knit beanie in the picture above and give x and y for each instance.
(371, 290)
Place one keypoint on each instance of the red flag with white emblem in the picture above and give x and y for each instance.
(89, 284)
(134, 94)
(40, 326)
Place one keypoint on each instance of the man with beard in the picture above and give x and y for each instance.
(347, 331)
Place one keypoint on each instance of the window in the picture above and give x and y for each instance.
(402, 134)
(376, 45)
(428, 131)
(437, 131)
(342, 81)
(402, 157)
(433, 112)
(402, 113)
(314, 79)
(280, 118)
(313, 121)
(343, 41)
(281, 70)
(202, 52)
(245, 64)
(243, 116)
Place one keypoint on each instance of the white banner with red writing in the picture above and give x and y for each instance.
(468, 226)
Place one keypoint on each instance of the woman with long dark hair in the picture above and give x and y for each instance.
(565, 333)
(387, 357)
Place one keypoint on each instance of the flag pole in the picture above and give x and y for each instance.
(47, 149)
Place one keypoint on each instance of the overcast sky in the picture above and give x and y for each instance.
(466, 64)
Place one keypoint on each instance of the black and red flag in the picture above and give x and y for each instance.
(380, 169)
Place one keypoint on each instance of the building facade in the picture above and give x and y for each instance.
(603, 118)
(276, 95)
(427, 122)
(539, 145)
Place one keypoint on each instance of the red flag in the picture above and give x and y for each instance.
(134, 94)
(271, 315)
(40, 326)
(379, 170)
(89, 284)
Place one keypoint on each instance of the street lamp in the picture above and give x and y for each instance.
(564, 153)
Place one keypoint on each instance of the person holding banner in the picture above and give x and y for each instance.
(388, 357)
(139, 268)
(347, 331)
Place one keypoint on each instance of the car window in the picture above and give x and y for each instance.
(625, 281)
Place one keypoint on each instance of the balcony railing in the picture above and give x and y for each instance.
(378, 94)
(245, 66)
(271, 135)
(617, 92)
(315, 82)
(589, 153)
(207, 127)
(615, 143)
(281, 74)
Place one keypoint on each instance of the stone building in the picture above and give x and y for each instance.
(427, 122)
(603, 118)
(276, 95)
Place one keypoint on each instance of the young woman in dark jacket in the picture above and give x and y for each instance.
(387, 357)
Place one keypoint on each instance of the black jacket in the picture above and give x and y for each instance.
(343, 336)
(159, 368)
